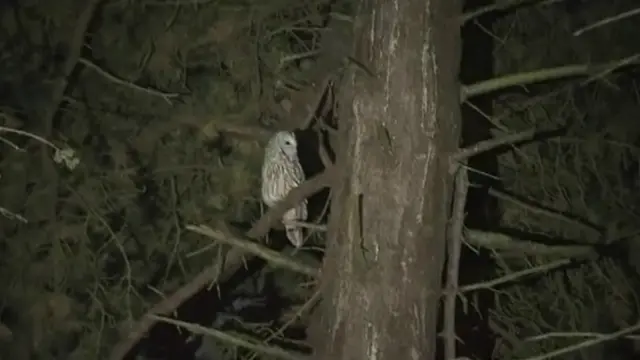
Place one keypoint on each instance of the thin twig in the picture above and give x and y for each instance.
(453, 262)
(13, 216)
(107, 75)
(514, 276)
(611, 68)
(607, 21)
(498, 6)
(486, 145)
(252, 344)
(587, 343)
(27, 134)
(557, 334)
(546, 211)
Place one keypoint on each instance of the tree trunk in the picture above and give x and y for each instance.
(399, 124)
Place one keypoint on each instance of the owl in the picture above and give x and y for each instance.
(281, 172)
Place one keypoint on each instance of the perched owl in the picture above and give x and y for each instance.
(281, 172)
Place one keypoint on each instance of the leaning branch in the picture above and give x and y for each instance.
(244, 342)
(273, 257)
(607, 21)
(498, 6)
(295, 196)
(116, 80)
(587, 343)
(519, 79)
(530, 205)
(453, 262)
(486, 145)
(514, 276)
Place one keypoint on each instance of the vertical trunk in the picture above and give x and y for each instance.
(383, 266)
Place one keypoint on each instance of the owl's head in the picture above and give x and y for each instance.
(286, 142)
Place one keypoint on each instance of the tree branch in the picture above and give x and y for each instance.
(107, 75)
(498, 6)
(295, 196)
(587, 343)
(246, 343)
(453, 262)
(486, 145)
(607, 21)
(546, 211)
(273, 257)
(513, 276)
(519, 79)
(498, 241)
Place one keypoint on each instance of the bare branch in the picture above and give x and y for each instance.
(453, 262)
(26, 134)
(543, 210)
(519, 79)
(13, 216)
(557, 334)
(607, 21)
(587, 343)
(295, 196)
(498, 241)
(107, 75)
(251, 344)
(486, 145)
(273, 257)
(499, 6)
(514, 276)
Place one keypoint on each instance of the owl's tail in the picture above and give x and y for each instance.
(294, 234)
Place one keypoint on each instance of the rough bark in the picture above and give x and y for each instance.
(381, 278)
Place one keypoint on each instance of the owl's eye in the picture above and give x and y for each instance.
(287, 142)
